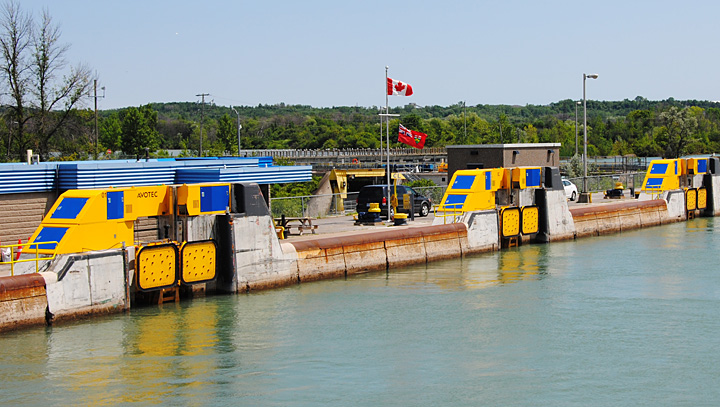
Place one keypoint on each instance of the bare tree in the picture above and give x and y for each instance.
(53, 100)
(15, 38)
(42, 87)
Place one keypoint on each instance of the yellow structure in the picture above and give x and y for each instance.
(99, 219)
(691, 199)
(198, 261)
(156, 266)
(339, 181)
(472, 190)
(702, 198)
(510, 222)
(663, 175)
(525, 177)
(530, 219)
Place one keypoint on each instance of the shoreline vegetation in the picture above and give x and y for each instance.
(668, 128)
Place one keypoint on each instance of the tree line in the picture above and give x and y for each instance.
(645, 128)
(667, 128)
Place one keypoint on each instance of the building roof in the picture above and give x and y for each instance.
(49, 176)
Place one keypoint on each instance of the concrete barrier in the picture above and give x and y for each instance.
(443, 241)
(713, 187)
(89, 283)
(254, 258)
(482, 232)
(23, 301)
(617, 217)
(260, 261)
(362, 258)
(406, 250)
(324, 258)
(556, 222)
(317, 263)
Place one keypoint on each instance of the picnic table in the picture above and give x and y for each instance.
(300, 224)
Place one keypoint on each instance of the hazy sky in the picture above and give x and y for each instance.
(334, 52)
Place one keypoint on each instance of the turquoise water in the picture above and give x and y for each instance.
(624, 320)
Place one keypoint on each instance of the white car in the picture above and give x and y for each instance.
(570, 190)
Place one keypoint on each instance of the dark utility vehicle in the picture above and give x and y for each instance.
(378, 194)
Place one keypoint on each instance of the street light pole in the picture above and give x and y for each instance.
(585, 189)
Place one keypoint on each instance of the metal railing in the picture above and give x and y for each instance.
(600, 183)
(10, 254)
(349, 153)
(318, 206)
(451, 210)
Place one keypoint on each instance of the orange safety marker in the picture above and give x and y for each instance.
(19, 251)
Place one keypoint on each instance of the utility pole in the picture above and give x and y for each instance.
(96, 119)
(465, 122)
(202, 114)
(239, 127)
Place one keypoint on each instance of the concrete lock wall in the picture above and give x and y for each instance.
(556, 221)
(618, 217)
(260, 261)
(714, 195)
(482, 232)
(90, 283)
(675, 206)
(346, 255)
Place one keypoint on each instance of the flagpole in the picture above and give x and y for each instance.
(387, 124)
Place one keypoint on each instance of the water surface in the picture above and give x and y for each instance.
(622, 320)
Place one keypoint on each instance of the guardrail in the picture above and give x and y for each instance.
(10, 254)
(319, 206)
(601, 183)
(451, 210)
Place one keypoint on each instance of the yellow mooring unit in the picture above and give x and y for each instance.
(98, 219)
(471, 190)
(662, 175)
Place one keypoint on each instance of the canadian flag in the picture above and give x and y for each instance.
(411, 138)
(398, 88)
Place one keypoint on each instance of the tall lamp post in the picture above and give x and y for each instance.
(585, 194)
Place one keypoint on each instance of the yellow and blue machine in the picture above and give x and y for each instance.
(663, 175)
(476, 190)
(676, 174)
(99, 219)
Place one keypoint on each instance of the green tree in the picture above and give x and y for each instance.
(227, 134)
(110, 132)
(139, 130)
(678, 131)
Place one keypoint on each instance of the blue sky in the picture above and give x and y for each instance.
(334, 53)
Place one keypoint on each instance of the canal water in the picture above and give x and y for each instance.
(624, 320)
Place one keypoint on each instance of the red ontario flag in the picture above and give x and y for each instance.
(411, 138)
